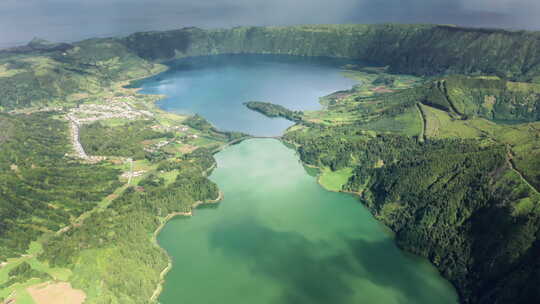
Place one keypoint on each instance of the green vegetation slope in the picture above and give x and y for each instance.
(462, 191)
(40, 189)
(59, 77)
(414, 49)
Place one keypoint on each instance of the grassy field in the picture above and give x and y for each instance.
(352, 105)
(30, 257)
(334, 180)
(408, 124)
(440, 124)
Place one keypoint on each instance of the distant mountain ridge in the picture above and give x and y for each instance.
(39, 44)
(414, 49)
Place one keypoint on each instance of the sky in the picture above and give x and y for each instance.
(72, 20)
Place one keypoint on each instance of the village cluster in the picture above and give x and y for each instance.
(116, 108)
(89, 113)
(163, 143)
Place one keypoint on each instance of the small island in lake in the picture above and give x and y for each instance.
(274, 110)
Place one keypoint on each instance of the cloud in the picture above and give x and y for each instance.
(77, 19)
(501, 5)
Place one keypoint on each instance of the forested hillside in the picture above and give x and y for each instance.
(415, 49)
(441, 197)
(63, 219)
(89, 221)
(125, 140)
(40, 189)
(462, 191)
(488, 97)
(64, 76)
(111, 254)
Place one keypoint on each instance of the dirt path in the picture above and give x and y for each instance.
(424, 122)
(510, 161)
(77, 146)
(509, 157)
(130, 160)
(444, 90)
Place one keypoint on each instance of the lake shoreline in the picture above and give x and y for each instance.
(290, 145)
(164, 222)
(268, 152)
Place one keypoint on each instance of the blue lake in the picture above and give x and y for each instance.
(217, 86)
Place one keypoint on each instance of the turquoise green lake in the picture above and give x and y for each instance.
(277, 237)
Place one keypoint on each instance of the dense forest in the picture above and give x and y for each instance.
(22, 273)
(126, 140)
(42, 190)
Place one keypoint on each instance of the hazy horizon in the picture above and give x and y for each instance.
(73, 20)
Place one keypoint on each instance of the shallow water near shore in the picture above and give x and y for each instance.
(217, 86)
(278, 237)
